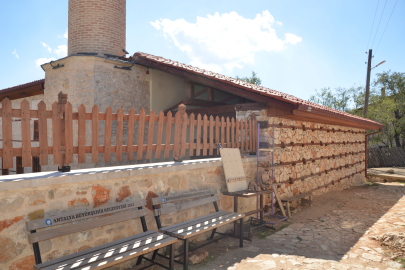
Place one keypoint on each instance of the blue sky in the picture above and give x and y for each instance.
(294, 46)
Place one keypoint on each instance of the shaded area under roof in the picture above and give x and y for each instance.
(254, 92)
(23, 90)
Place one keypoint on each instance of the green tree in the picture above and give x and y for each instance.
(386, 107)
(253, 79)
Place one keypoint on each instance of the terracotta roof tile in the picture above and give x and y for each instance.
(20, 86)
(248, 86)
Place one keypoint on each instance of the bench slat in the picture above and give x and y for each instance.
(68, 218)
(208, 227)
(185, 205)
(193, 225)
(184, 196)
(300, 196)
(190, 222)
(80, 259)
(137, 237)
(82, 226)
(112, 258)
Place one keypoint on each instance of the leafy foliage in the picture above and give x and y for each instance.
(253, 79)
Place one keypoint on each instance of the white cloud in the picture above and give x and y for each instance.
(15, 54)
(46, 46)
(224, 40)
(65, 35)
(44, 60)
(292, 39)
(61, 51)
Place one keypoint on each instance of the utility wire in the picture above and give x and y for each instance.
(379, 24)
(386, 25)
(375, 13)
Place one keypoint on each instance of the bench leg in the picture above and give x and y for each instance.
(139, 260)
(185, 254)
(154, 254)
(288, 209)
(213, 233)
(171, 257)
(241, 232)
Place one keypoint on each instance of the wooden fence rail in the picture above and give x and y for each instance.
(199, 134)
(386, 157)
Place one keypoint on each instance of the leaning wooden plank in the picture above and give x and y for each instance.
(120, 134)
(205, 139)
(7, 122)
(151, 128)
(168, 134)
(278, 200)
(141, 134)
(130, 134)
(187, 205)
(193, 221)
(208, 227)
(184, 196)
(26, 133)
(81, 122)
(107, 134)
(192, 142)
(187, 226)
(159, 137)
(199, 125)
(82, 226)
(57, 159)
(86, 253)
(43, 129)
(94, 133)
(212, 124)
(100, 262)
(68, 133)
(79, 215)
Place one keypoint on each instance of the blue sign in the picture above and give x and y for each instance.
(163, 200)
(48, 222)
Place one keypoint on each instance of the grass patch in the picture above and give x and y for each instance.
(299, 238)
(370, 184)
(268, 232)
(401, 261)
(208, 259)
(322, 220)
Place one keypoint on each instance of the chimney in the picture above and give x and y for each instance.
(382, 91)
(97, 26)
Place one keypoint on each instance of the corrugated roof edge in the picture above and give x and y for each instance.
(250, 87)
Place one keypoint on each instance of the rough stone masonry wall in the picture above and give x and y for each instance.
(44, 194)
(319, 183)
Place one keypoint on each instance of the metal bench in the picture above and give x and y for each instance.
(297, 197)
(104, 255)
(187, 229)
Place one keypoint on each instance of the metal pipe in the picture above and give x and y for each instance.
(365, 144)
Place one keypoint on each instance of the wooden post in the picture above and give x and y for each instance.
(62, 100)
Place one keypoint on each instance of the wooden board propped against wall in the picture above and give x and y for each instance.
(233, 168)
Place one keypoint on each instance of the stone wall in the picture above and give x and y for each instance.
(318, 183)
(33, 196)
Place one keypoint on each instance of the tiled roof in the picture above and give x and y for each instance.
(23, 90)
(20, 86)
(249, 87)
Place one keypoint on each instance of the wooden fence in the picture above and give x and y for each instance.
(386, 157)
(201, 133)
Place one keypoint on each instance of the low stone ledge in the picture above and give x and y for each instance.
(34, 180)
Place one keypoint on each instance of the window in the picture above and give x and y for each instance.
(36, 167)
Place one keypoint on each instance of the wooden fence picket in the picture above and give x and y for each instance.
(217, 129)
(227, 131)
(107, 134)
(69, 133)
(205, 141)
(168, 134)
(8, 162)
(43, 134)
(94, 133)
(26, 133)
(150, 134)
(212, 123)
(130, 134)
(159, 137)
(233, 145)
(56, 138)
(223, 131)
(120, 134)
(141, 134)
(199, 125)
(192, 127)
(81, 140)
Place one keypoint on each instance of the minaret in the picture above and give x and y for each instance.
(97, 26)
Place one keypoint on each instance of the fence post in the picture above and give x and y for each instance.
(180, 127)
(62, 100)
(253, 133)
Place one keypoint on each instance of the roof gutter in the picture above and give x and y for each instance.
(365, 144)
